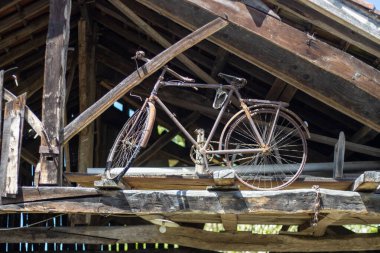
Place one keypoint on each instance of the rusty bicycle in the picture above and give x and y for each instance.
(264, 143)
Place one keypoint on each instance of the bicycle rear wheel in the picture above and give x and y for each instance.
(281, 164)
(129, 141)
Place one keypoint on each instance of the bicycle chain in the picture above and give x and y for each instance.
(317, 206)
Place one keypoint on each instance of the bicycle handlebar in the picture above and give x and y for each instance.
(140, 55)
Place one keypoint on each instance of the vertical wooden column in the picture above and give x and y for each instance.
(11, 146)
(54, 91)
(1, 101)
(87, 88)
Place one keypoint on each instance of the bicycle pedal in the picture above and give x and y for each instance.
(108, 184)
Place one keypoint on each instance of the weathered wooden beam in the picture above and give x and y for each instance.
(5, 4)
(368, 181)
(150, 31)
(328, 24)
(201, 202)
(139, 75)
(11, 146)
(31, 10)
(53, 97)
(30, 117)
(311, 70)
(87, 86)
(192, 237)
(345, 14)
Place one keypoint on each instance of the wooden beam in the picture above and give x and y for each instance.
(319, 229)
(139, 75)
(368, 181)
(200, 203)
(192, 237)
(30, 117)
(31, 10)
(150, 31)
(11, 146)
(319, 19)
(87, 86)
(345, 14)
(53, 97)
(311, 70)
(6, 4)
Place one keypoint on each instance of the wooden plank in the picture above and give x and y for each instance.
(54, 90)
(368, 181)
(328, 24)
(86, 56)
(11, 146)
(139, 75)
(193, 237)
(311, 70)
(150, 31)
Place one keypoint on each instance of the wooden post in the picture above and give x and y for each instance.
(86, 64)
(11, 146)
(54, 90)
(139, 75)
(1, 101)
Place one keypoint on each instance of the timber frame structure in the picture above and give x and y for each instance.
(75, 85)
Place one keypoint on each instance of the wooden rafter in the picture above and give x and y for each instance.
(308, 70)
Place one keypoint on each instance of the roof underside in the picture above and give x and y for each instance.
(23, 28)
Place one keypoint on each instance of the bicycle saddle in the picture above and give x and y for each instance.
(233, 80)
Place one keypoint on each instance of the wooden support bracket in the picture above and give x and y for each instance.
(319, 229)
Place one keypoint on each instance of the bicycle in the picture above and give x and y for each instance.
(264, 143)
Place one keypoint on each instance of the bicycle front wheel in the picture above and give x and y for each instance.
(127, 145)
(278, 166)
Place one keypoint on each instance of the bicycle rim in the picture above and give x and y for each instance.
(128, 142)
(276, 168)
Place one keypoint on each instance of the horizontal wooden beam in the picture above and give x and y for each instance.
(194, 202)
(312, 69)
(368, 181)
(139, 75)
(192, 237)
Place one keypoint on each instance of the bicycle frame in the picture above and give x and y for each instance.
(231, 90)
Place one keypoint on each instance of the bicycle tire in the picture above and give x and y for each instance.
(129, 141)
(276, 168)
